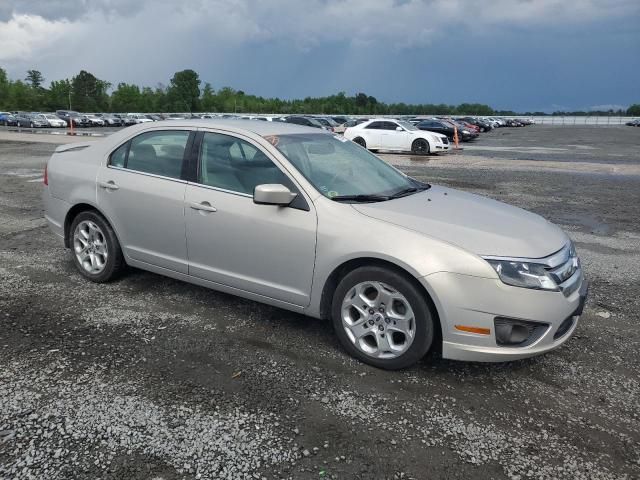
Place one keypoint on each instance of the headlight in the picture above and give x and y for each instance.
(523, 274)
(466, 131)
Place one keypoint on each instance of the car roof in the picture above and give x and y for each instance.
(383, 120)
(235, 125)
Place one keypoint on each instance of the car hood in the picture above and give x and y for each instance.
(477, 224)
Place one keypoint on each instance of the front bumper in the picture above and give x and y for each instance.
(475, 301)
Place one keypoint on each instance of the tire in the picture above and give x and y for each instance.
(420, 147)
(102, 242)
(378, 323)
(360, 141)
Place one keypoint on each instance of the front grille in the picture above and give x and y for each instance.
(564, 268)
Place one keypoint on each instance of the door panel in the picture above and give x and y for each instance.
(263, 249)
(147, 213)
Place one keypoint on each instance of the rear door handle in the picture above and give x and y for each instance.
(110, 185)
(204, 206)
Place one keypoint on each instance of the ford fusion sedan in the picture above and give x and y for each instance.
(396, 135)
(308, 221)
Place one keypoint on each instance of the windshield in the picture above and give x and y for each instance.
(407, 125)
(51, 117)
(337, 167)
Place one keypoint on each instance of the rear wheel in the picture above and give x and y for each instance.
(96, 251)
(382, 318)
(420, 146)
(360, 141)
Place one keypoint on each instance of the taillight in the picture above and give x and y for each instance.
(46, 176)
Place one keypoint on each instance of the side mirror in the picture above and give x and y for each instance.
(273, 194)
(398, 129)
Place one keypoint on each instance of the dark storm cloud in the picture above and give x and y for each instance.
(525, 54)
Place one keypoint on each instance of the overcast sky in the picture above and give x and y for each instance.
(512, 54)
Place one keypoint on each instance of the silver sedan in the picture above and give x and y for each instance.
(311, 222)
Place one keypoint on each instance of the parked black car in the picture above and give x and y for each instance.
(340, 120)
(446, 128)
(633, 123)
(306, 121)
(73, 117)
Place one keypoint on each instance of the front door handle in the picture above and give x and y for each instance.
(204, 206)
(110, 185)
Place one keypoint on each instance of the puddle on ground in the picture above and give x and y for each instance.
(23, 173)
(587, 223)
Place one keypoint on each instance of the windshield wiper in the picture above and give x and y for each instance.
(360, 198)
(408, 191)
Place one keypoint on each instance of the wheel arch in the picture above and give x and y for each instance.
(348, 266)
(74, 211)
(430, 139)
(360, 137)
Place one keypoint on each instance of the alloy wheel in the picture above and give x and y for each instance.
(378, 320)
(90, 247)
(420, 146)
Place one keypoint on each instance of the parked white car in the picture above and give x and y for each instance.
(52, 120)
(396, 135)
(139, 118)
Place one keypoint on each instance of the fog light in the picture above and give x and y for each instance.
(511, 332)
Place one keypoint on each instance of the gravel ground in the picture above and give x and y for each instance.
(151, 378)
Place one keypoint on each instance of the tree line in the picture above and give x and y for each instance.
(185, 92)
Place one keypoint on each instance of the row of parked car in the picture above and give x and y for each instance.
(65, 118)
(466, 128)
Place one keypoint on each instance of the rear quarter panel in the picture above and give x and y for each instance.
(72, 171)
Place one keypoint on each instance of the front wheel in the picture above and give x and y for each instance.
(360, 141)
(382, 318)
(420, 147)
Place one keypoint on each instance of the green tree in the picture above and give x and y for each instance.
(184, 90)
(59, 94)
(208, 100)
(634, 110)
(22, 96)
(89, 94)
(4, 89)
(34, 78)
(126, 98)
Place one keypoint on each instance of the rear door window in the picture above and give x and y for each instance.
(159, 153)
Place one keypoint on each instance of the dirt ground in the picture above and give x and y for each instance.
(152, 378)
